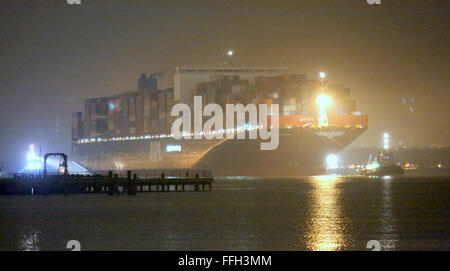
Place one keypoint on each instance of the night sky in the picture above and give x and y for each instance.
(54, 55)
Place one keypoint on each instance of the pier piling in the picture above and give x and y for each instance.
(132, 188)
(110, 183)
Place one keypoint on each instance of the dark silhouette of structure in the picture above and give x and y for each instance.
(62, 165)
(147, 83)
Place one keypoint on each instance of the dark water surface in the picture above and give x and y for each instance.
(323, 213)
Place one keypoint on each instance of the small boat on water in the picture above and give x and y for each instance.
(381, 165)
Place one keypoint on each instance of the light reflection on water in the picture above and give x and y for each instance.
(325, 230)
(389, 229)
(320, 213)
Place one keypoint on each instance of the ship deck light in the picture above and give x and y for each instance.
(324, 101)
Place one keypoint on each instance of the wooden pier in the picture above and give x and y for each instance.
(111, 183)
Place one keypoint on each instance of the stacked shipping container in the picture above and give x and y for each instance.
(147, 111)
(129, 114)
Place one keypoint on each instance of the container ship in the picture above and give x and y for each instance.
(132, 131)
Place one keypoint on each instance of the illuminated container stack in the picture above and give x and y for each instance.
(77, 125)
(169, 105)
(146, 111)
(153, 113)
(295, 95)
(139, 114)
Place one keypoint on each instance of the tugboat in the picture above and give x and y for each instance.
(383, 164)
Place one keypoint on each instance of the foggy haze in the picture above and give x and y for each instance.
(54, 55)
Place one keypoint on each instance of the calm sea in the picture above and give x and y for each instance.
(316, 213)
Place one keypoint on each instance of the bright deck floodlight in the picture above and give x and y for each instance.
(332, 161)
(230, 53)
(323, 101)
(322, 75)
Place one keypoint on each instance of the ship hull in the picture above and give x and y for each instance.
(301, 152)
(385, 170)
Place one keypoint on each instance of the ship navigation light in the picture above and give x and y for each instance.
(386, 141)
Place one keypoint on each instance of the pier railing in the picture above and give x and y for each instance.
(111, 182)
(162, 173)
(140, 174)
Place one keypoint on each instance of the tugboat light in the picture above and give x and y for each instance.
(33, 160)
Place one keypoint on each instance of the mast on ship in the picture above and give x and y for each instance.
(224, 59)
